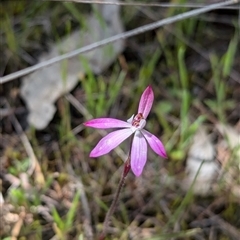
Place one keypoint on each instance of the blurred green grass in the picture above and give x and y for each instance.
(174, 118)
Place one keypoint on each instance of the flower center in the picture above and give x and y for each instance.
(138, 121)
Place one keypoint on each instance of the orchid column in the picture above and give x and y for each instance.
(140, 139)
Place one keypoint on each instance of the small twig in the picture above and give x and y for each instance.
(34, 166)
(131, 33)
(15, 182)
(17, 227)
(150, 4)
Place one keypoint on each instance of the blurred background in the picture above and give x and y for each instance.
(52, 189)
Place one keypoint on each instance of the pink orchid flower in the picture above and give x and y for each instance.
(134, 126)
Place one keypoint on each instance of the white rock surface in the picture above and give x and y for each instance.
(201, 152)
(43, 87)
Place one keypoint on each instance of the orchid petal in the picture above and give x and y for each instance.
(138, 153)
(110, 141)
(146, 102)
(154, 143)
(104, 123)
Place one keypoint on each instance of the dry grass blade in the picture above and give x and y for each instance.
(87, 221)
(197, 48)
(218, 222)
(35, 166)
(117, 37)
(231, 231)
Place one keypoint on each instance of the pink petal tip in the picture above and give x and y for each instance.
(146, 101)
